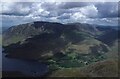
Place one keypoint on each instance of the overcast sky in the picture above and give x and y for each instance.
(102, 13)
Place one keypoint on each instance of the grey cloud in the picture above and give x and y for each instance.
(64, 16)
(108, 9)
(119, 9)
(60, 12)
(49, 6)
(17, 8)
(70, 5)
(14, 14)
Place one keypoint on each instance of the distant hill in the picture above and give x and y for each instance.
(109, 37)
(4, 28)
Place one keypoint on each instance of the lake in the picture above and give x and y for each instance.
(29, 68)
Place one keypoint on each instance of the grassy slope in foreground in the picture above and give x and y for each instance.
(107, 68)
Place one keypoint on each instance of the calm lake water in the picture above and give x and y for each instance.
(32, 68)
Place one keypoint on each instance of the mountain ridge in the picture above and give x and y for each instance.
(63, 47)
(38, 27)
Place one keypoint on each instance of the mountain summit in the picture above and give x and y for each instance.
(23, 31)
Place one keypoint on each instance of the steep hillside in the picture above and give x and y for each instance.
(37, 39)
(107, 68)
(24, 31)
(109, 37)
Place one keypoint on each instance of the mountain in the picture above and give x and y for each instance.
(109, 37)
(23, 31)
(61, 46)
(43, 37)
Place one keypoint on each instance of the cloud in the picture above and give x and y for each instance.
(78, 16)
(69, 5)
(89, 11)
(64, 12)
(16, 8)
(103, 21)
(109, 9)
(65, 16)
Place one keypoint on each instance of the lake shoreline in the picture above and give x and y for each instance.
(23, 67)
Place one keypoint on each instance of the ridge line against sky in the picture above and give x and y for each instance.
(101, 13)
